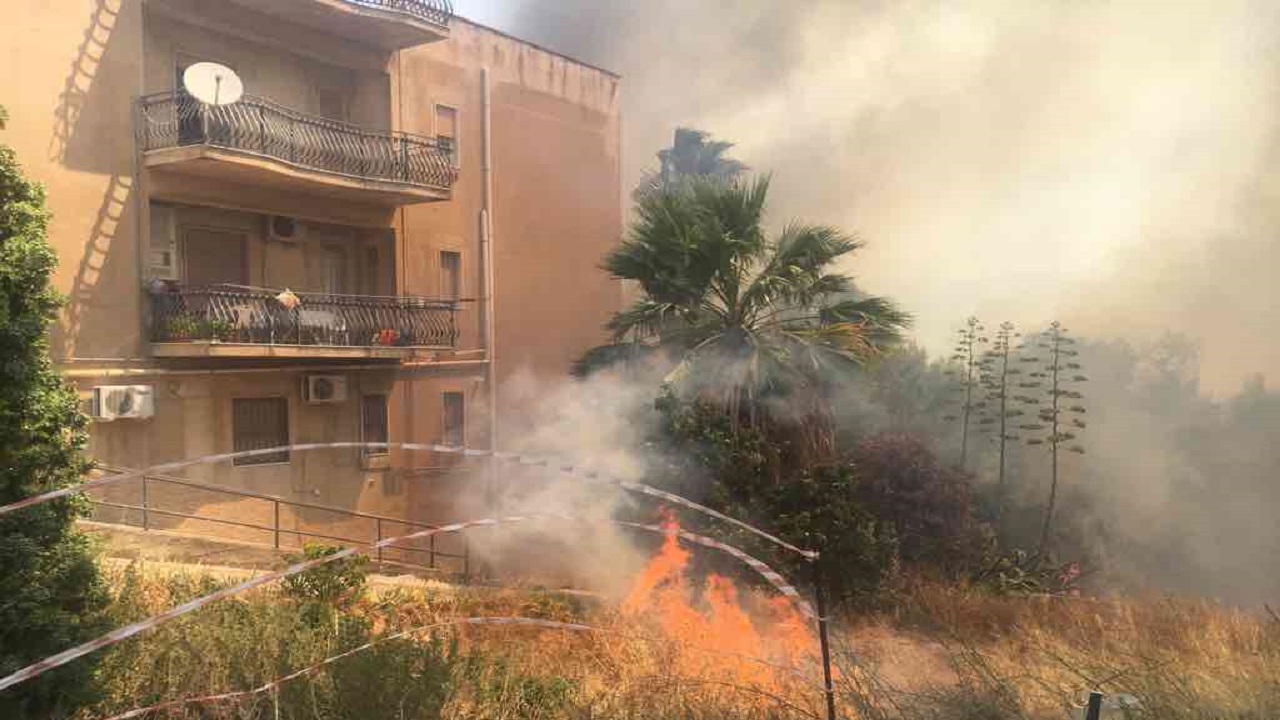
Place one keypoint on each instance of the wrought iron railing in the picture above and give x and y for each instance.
(157, 502)
(438, 12)
(257, 316)
(260, 127)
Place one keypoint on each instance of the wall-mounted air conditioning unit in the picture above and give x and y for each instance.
(325, 389)
(283, 228)
(123, 402)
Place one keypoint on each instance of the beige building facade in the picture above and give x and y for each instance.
(403, 210)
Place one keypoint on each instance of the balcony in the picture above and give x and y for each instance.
(388, 24)
(242, 322)
(258, 142)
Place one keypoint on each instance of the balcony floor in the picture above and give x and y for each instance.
(241, 167)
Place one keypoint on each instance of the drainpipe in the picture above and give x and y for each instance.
(489, 314)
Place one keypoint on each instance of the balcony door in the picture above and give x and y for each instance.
(213, 256)
(327, 269)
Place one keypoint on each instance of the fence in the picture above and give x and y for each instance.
(438, 12)
(154, 502)
(261, 127)
(233, 313)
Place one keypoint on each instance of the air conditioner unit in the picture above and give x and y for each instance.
(282, 228)
(326, 389)
(119, 402)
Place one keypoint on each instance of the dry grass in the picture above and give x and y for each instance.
(942, 653)
(1037, 657)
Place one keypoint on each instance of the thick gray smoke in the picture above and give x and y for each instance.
(1108, 164)
(1100, 162)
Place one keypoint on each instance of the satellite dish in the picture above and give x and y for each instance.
(212, 83)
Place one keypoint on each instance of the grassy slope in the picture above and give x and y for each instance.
(943, 653)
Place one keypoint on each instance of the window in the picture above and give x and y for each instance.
(332, 103)
(258, 424)
(451, 274)
(162, 261)
(371, 271)
(373, 423)
(455, 419)
(447, 130)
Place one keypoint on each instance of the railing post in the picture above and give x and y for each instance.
(276, 525)
(431, 551)
(824, 643)
(146, 520)
(1093, 711)
(404, 158)
(378, 539)
(466, 561)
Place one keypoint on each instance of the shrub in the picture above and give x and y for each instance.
(926, 503)
(733, 471)
(50, 595)
(324, 590)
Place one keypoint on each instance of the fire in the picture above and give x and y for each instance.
(715, 617)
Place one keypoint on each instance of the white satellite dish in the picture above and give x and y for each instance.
(212, 83)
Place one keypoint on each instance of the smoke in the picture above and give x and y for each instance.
(1102, 163)
(1107, 164)
(598, 424)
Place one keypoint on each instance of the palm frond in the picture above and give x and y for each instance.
(645, 319)
(608, 356)
(796, 273)
(883, 322)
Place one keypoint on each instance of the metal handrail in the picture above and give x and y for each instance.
(264, 128)
(437, 12)
(148, 509)
(256, 316)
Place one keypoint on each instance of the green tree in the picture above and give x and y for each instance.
(50, 594)
(996, 376)
(1061, 402)
(692, 154)
(967, 357)
(753, 323)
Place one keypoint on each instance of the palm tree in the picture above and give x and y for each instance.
(756, 324)
(692, 154)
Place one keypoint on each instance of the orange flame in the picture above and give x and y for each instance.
(716, 618)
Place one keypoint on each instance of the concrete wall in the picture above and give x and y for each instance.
(72, 69)
(194, 419)
(289, 265)
(275, 72)
(555, 175)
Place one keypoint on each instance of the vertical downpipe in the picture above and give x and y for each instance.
(489, 314)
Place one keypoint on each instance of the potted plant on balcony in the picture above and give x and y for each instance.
(386, 337)
(216, 330)
(181, 328)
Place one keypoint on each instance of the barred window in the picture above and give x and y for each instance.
(373, 422)
(258, 424)
(455, 420)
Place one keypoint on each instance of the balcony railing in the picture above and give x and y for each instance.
(257, 316)
(438, 12)
(260, 127)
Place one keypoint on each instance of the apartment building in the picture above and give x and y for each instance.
(402, 211)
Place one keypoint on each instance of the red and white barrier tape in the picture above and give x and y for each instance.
(569, 469)
(118, 635)
(531, 622)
